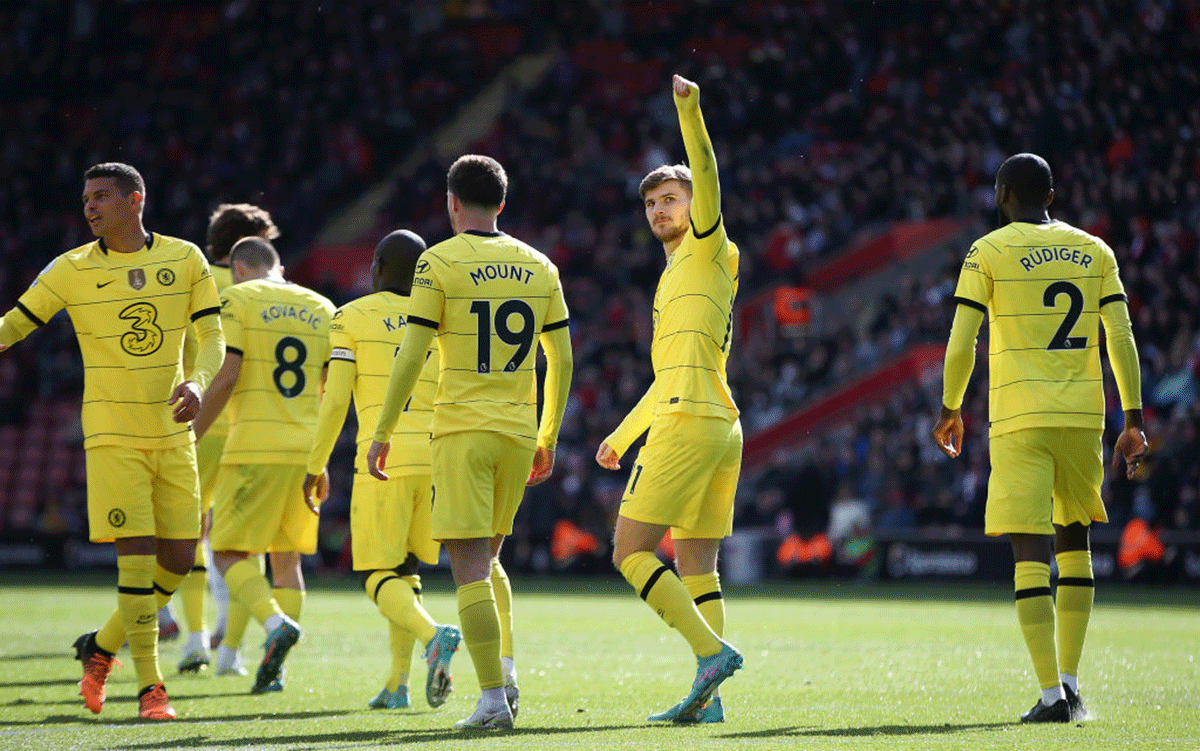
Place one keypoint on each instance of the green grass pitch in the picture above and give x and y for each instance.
(895, 666)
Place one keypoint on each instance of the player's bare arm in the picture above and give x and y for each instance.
(218, 393)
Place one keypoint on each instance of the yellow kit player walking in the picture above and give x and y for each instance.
(490, 298)
(686, 476)
(389, 521)
(276, 345)
(131, 296)
(228, 224)
(1044, 286)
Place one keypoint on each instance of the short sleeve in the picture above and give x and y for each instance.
(974, 281)
(428, 295)
(556, 313)
(205, 300)
(1111, 289)
(342, 344)
(235, 338)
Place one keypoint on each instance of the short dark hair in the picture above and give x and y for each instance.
(233, 221)
(254, 251)
(1029, 178)
(665, 173)
(127, 178)
(478, 181)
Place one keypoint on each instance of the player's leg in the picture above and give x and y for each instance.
(1018, 493)
(502, 589)
(471, 564)
(696, 561)
(229, 656)
(191, 590)
(287, 578)
(1078, 475)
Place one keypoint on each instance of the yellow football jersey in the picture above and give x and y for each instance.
(488, 296)
(1042, 287)
(692, 325)
(281, 330)
(130, 311)
(221, 275)
(367, 333)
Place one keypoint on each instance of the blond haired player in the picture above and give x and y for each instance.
(131, 296)
(276, 345)
(1044, 286)
(389, 521)
(491, 299)
(229, 223)
(685, 477)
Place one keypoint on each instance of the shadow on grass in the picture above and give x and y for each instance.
(34, 656)
(42, 682)
(108, 720)
(364, 737)
(801, 731)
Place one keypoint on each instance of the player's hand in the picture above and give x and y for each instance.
(377, 459)
(1131, 446)
(608, 458)
(543, 466)
(685, 90)
(316, 488)
(948, 433)
(186, 398)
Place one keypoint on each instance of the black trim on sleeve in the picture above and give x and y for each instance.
(1076, 581)
(1021, 594)
(708, 596)
(970, 304)
(206, 312)
(553, 326)
(652, 581)
(29, 314)
(423, 322)
(702, 235)
(234, 351)
(1113, 298)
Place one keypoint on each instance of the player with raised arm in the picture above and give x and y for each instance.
(1044, 286)
(277, 341)
(389, 521)
(685, 477)
(228, 224)
(131, 296)
(491, 299)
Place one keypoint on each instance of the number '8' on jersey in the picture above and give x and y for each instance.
(281, 332)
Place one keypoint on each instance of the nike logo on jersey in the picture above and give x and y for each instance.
(102, 285)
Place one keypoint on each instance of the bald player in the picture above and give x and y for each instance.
(389, 521)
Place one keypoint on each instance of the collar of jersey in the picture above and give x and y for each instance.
(394, 291)
(149, 243)
(481, 233)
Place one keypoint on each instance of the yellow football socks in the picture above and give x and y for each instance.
(705, 590)
(401, 643)
(1035, 612)
(248, 586)
(112, 635)
(191, 593)
(1073, 607)
(237, 617)
(291, 601)
(666, 595)
(502, 589)
(481, 631)
(397, 601)
(139, 616)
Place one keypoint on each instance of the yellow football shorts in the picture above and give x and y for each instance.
(478, 482)
(686, 476)
(143, 493)
(1042, 477)
(259, 508)
(208, 460)
(389, 520)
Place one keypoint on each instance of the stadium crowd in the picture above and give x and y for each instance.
(903, 113)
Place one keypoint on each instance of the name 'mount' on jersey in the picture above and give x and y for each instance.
(1042, 287)
(489, 296)
(281, 330)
